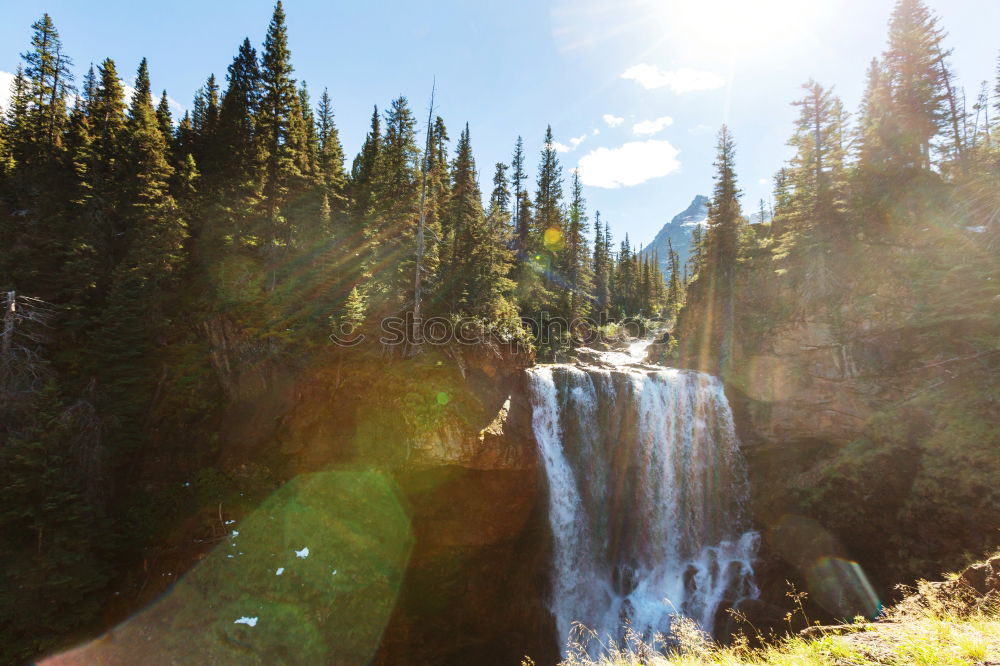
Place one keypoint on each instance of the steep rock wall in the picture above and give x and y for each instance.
(450, 428)
(869, 414)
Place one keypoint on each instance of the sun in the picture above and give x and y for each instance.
(739, 27)
(709, 29)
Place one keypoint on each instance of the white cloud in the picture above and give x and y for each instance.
(596, 131)
(762, 181)
(650, 127)
(6, 80)
(681, 80)
(176, 108)
(612, 120)
(630, 164)
(573, 143)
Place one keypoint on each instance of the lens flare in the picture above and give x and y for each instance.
(266, 592)
(843, 589)
(553, 240)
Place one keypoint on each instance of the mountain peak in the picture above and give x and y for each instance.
(696, 213)
(678, 233)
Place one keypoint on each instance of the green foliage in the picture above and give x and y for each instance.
(55, 545)
(141, 230)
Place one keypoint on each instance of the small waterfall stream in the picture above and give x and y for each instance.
(646, 494)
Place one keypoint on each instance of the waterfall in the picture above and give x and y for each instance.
(646, 496)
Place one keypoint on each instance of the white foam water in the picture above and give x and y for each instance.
(647, 488)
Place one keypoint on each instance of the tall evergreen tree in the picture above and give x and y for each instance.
(163, 117)
(330, 161)
(104, 208)
(549, 225)
(38, 186)
(237, 182)
(462, 217)
(283, 152)
(721, 246)
(601, 269)
(143, 281)
(48, 71)
(674, 286)
(576, 257)
(363, 170)
(917, 113)
(391, 236)
(548, 220)
(817, 172)
(491, 259)
(520, 220)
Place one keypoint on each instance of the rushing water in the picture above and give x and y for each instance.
(646, 493)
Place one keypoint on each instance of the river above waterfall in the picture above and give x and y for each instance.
(647, 487)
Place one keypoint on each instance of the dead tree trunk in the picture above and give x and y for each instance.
(417, 279)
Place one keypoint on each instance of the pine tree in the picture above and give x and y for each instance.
(391, 235)
(674, 286)
(721, 246)
(38, 185)
(54, 551)
(645, 284)
(601, 269)
(281, 149)
(155, 231)
(137, 307)
(363, 170)
(697, 251)
(48, 71)
(549, 223)
(103, 207)
(917, 113)
(18, 122)
(874, 176)
(462, 217)
(207, 151)
(625, 299)
(491, 259)
(500, 197)
(438, 194)
(813, 213)
(816, 205)
(351, 315)
(549, 226)
(721, 238)
(238, 178)
(576, 258)
(163, 117)
(520, 220)
(330, 161)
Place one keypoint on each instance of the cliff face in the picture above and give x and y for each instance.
(461, 578)
(454, 431)
(868, 415)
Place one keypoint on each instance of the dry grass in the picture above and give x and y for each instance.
(932, 627)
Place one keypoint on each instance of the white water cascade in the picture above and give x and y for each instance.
(646, 492)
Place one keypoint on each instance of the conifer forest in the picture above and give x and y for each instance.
(240, 352)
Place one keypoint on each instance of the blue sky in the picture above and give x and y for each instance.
(644, 141)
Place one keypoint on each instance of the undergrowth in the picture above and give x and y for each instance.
(930, 627)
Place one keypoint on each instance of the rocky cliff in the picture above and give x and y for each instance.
(869, 412)
(415, 482)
